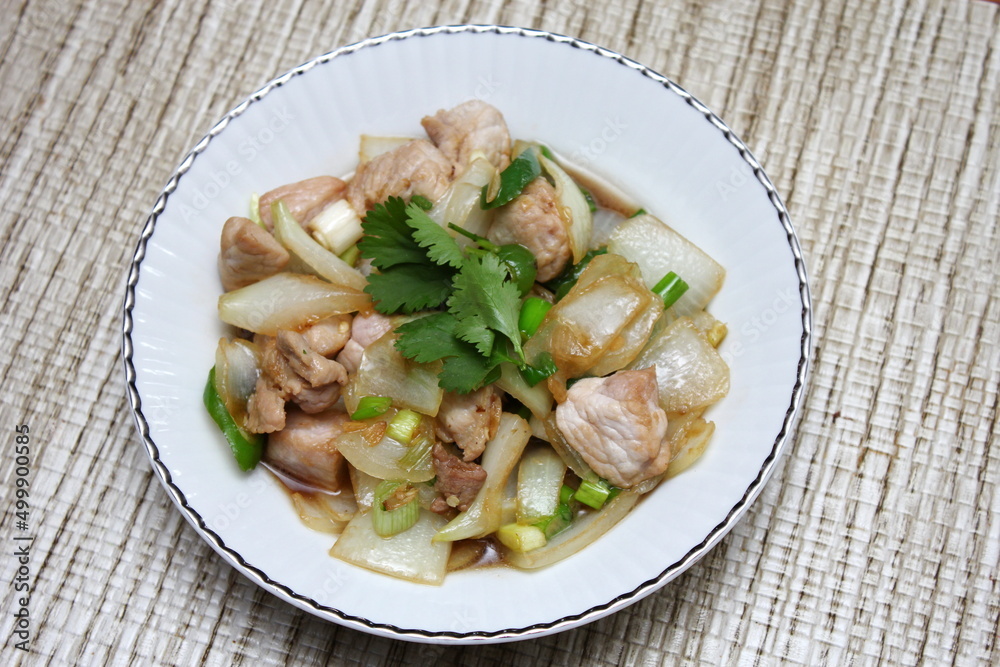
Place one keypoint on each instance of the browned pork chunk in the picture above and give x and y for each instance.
(249, 253)
(471, 126)
(533, 221)
(305, 448)
(313, 367)
(617, 426)
(458, 481)
(415, 168)
(469, 420)
(304, 199)
(266, 408)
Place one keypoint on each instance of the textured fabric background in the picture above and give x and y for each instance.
(878, 539)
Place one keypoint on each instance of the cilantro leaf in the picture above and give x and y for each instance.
(468, 371)
(407, 288)
(388, 240)
(485, 299)
(440, 245)
(429, 338)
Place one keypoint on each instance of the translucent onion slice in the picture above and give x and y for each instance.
(574, 208)
(288, 301)
(690, 372)
(237, 367)
(485, 514)
(690, 445)
(658, 249)
(324, 512)
(385, 372)
(298, 242)
(411, 555)
(460, 202)
(373, 146)
(583, 531)
(383, 460)
(539, 479)
(537, 399)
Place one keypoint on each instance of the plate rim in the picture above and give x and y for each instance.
(306, 603)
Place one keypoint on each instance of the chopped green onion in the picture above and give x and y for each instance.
(391, 522)
(422, 201)
(639, 212)
(566, 494)
(351, 254)
(402, 426)
(591, 204)
(544, 368)
(558, 522)
(247, 447)
(416, 455)
(670, 288)
(255, 209)
(371, 406)
(517, 537)
(519, 173)
(532, 313)
(544, 150)
(593, 494)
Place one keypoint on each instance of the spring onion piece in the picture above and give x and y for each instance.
(371, 406)
(532, 312)
(403, 425)
(521, 538)
(418, 454)
(350, 256)
(638, 212)
(389, 522)
(566, 494)
(519, 173)
(325, 263)
(558, 522)
(670, 288)
(247, 447)
(593, 493)
(543, 367)
(422, 201)
(337, 227)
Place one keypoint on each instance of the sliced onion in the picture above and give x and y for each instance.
(324, 512)
(583, 531)
(298, 242)
(460, 202)
(364, 488)
(537, 399)
(485, 514)
(658, 249)
(411, 555)
(539, 480)
(690, 372)
(574, 208)
(689, 445)
(385, 372)
(237, 367)
(373, 146)
(287, 301)
(383, 460)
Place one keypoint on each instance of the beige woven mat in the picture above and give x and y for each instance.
(877, 541)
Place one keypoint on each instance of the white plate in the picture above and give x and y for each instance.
(611, 114)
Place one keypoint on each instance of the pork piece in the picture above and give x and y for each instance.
(532, 220)
(265, 408)
(248, 253)
(275, 367)
(313, 367)
(470, 127)
(415, 168)
(304, 199)
(305, 448)
(328, 336)
(469, 420)
(317, 399)
(365, 330)
(458, 481)
(617, 426)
